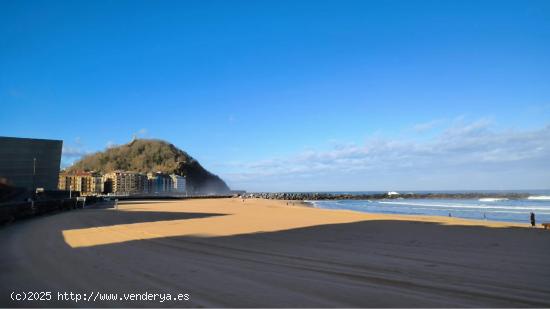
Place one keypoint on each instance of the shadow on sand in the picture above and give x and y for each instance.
(382, 263)
(117, 217)
(370, 263)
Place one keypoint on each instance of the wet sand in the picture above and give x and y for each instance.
(263, 253)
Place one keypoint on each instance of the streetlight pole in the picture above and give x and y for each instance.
(33, 177)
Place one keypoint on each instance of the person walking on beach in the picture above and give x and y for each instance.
(532, 219)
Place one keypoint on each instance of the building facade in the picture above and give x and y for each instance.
(122, 182)
(30, 163)
(159, 183)
(87, 183)
(179, 183)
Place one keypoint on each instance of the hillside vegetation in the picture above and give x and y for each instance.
(147, 155)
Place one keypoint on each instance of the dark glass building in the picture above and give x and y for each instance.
(30, 163)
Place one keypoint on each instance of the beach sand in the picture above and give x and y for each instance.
(264, 253)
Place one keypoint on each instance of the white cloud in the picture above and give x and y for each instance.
(464, 154)
(427, 126)
(73, 152)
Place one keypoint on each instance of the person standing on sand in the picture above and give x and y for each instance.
(532, 219)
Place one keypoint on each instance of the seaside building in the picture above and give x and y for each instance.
(97, 184)
(179, 183)
(67, 182)
(30, 163)
(159, 183)
(87, 183)
(107, 185)
(122, 182)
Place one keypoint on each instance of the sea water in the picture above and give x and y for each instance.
(508, 210)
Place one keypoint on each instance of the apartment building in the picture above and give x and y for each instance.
(87, 183)
(179, 183)
(159, 183)
(122, 182)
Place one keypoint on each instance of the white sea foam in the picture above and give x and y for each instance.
(492, 199)
(539, 197)
(312, 203)
(516, 210)
(466, 206)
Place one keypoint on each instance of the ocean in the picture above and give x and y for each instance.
(506, 210)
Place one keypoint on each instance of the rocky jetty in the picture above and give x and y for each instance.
(378, 196)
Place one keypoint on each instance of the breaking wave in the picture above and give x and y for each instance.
(539, 197)
(492, 199)
(467, 206)
(499, 210)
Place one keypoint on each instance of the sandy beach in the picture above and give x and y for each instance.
(265, 253)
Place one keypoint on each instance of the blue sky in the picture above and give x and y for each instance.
(292, 95)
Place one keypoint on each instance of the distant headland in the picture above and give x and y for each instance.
(143, 156)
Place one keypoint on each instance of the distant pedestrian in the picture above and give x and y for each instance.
(484, 216)
(450, 215)
(532, 219)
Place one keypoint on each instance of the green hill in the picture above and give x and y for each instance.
(149, 155)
